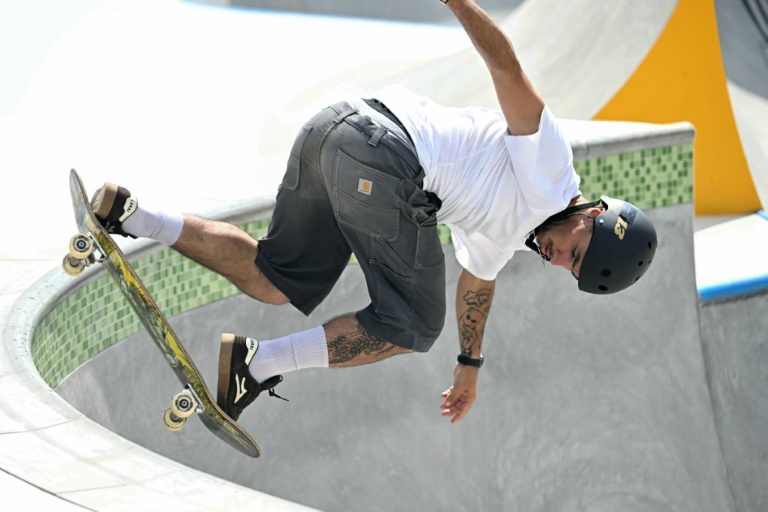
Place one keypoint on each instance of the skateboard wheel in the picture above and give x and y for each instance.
(183, 404)
(173, 422)
(72, 266)
(80, 246)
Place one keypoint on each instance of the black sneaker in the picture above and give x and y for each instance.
(112, 205)
(237, 389)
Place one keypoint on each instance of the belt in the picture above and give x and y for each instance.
(382, 108)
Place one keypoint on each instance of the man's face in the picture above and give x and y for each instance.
(566, 243)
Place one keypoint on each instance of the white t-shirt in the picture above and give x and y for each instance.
(495, 187)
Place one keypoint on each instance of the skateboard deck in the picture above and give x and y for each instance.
(196, 397)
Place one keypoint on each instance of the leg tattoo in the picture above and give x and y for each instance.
(346, 347)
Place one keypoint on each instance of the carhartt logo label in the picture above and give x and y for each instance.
(364, 186)
(241, 391)
(620, 228)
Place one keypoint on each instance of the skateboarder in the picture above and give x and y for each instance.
(374, 177)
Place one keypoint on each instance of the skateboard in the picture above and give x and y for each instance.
(94, 245)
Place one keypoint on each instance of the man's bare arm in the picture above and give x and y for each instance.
(519, 101)
(473, 304)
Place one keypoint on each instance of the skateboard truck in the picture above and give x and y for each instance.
(81, 255)
(182, 406)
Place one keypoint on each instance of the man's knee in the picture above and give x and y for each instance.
(265, 291)
(258, 286)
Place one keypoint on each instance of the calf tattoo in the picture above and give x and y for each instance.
(472, 321)
(346, 347)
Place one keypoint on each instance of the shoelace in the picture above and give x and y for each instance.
(272, 393)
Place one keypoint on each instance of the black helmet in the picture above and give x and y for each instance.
(621, 249)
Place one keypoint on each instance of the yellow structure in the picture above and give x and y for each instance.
(683, 79)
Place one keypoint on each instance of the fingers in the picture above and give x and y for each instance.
(456, 411)
(455, 406)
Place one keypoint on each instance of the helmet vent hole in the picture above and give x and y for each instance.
(650, 245)
(606, 272)
(602, 288)
(639, 263)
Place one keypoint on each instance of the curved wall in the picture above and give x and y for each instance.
(581, 407)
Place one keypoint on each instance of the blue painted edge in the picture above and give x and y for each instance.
(732, 289)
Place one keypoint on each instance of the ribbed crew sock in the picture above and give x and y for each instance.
(307, 349)
(148, 223)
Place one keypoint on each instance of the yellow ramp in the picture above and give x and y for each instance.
(683, 79)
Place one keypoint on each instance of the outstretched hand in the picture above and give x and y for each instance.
(460, 397)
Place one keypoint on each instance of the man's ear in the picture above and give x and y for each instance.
(596, 210)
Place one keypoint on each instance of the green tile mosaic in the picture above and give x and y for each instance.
(96, 316)
(650, 178)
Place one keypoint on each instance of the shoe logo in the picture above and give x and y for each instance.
(241, 391)
(253, 346)
(131, 205)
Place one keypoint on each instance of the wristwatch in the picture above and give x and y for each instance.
(468, 361)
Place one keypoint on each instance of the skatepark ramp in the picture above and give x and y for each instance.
(586, 403)
(652, 400)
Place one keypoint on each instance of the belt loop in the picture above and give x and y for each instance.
(419, 179)
(344, 114)
(377, 135)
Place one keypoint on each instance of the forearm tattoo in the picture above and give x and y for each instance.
(345, 347)
(472, 321)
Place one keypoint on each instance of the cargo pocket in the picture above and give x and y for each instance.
(394, 283)
(365, 198)
(293, 168)
(394, 293)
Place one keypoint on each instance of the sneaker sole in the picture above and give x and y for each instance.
(225, 365)
(104, 199)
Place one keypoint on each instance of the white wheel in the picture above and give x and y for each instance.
(183, 404)
(80, 246)
(72, 266)
(173, 422)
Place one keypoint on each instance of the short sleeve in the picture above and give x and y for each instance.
(478, 254)
(543, 166)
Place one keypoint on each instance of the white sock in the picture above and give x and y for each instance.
(306, 349)
(157, 225)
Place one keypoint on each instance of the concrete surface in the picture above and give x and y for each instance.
(584, 404)
(735, 346)
(744, 44)
(400, 10)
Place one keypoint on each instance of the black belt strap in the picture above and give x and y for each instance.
(380, 107)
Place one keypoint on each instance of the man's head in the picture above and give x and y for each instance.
(607, 245)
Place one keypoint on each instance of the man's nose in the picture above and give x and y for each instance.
(561, 260)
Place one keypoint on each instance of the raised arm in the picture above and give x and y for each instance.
(519, 101)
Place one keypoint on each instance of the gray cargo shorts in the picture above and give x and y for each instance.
(353, 184)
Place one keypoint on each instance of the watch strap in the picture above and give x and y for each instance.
(468, 361)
